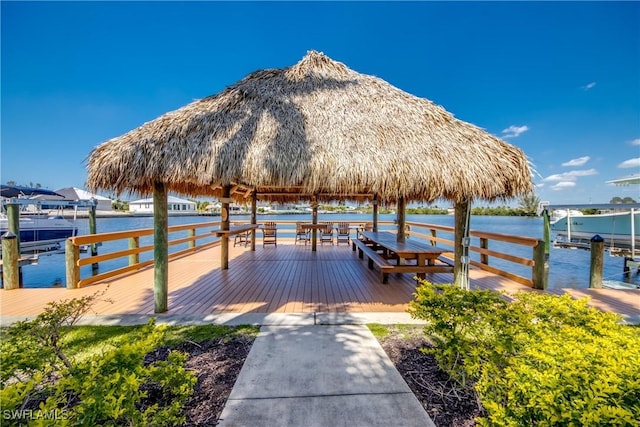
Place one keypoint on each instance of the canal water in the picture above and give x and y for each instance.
(567, 267)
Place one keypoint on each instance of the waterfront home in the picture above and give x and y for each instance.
(74, 193)
(175, 205)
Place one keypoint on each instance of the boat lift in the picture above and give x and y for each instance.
(630, 252)
(624, 250)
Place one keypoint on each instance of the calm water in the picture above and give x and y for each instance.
(567, 267)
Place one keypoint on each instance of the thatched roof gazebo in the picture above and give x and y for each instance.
(317, 131)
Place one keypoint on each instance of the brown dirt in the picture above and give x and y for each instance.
(448, 404)
(217, 364)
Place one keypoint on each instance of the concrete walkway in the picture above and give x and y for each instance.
(320, 375)
(307, 369)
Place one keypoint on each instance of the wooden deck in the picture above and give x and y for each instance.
(282, 279)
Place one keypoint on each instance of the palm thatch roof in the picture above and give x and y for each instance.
(315, 128)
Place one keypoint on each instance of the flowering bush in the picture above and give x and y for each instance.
(538, 359)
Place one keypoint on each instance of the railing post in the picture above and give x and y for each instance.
(10, 261)
(540, 272)
(71, 256)
(597, 258)
(134, 243)
(192, 243)
(434, 235)
(484, 244)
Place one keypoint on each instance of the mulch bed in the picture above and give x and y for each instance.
(217, 364)
(445, 401)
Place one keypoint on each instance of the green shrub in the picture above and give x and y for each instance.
(43, 385)
(540, 359)
(112, 388)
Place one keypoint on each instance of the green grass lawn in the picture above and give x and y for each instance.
(82, 342)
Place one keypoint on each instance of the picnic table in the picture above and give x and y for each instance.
(425, 255)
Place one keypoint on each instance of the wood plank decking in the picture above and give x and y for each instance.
(284, 279)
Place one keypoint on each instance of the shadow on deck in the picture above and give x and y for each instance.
(282, 279)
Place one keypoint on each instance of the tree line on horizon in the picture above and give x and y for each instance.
(527, 206)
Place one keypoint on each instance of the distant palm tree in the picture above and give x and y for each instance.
(202, 206)
(529, 204)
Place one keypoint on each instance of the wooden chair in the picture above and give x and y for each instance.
(302, 234)
(343, 233)
(326, 234)
(269, 234)
(365, 227)
(243, 238)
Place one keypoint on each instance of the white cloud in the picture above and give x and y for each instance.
(589, 86)
(631, 163)
(577, 162)
(540, 185)
(563, 185)
(635, 141)
(513, 131)
(571, 175)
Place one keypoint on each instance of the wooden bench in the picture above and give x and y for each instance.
(386, 266)
(445, 259)
(374, 258)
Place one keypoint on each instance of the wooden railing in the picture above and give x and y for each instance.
(73, 245)
(535, 263)
(440, 235)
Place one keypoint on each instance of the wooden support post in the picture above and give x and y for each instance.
(224, 225)
(72, 256)
(484, 244)
(375, 212)
(134, 243)
(597, 259)
(460, 271)
(254, 218)
(314, 220)
(160, 248)
(10, 261)
(434, 235)
(13, 221)
(540, 273)
(400, 219)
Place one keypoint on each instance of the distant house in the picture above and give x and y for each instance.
(175, 206)
(73, 193)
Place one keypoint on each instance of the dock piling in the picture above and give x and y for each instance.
(10, 261)
(597, 258)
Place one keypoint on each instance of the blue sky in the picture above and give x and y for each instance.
(559, 80)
